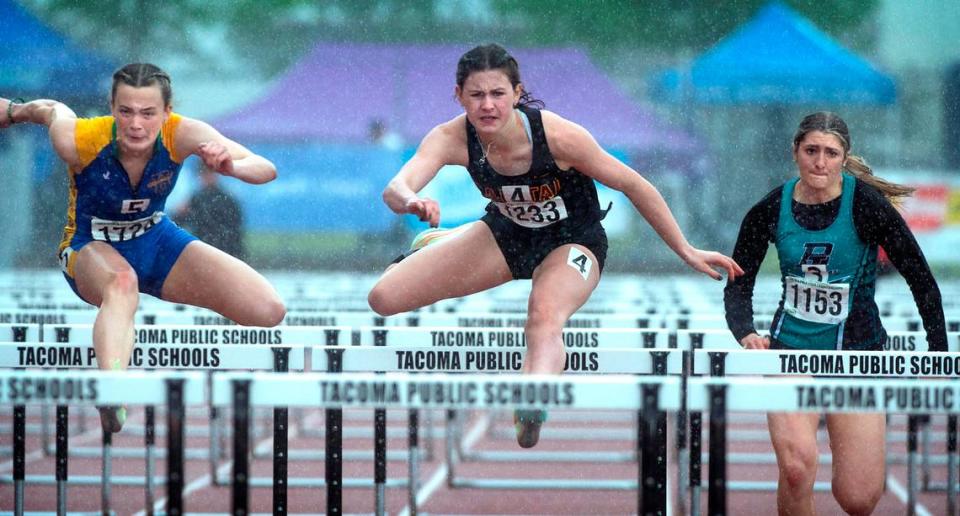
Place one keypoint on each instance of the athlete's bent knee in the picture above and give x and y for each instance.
(798, 469)
(859, 500)
(273, 312)
(122, 283)
(543, 323)
(382, 302)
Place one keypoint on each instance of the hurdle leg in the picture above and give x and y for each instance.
(81, 420)
(48, 449)
(240, 504)
(911, 464)
(61, 467)
(176, 428)
(652, 442)
(428, 436)
(456, 430)
(682, 452)
(334, 461)
(451, 449)
(149, 440)
(413, 460)
(106, 472)
(952, 465)
(19, 455)
(717, 495)
(280, 453)
(925, 423)
(213, 441)
(281, 361)
(696, 436)
(380, 458)
(888, 453)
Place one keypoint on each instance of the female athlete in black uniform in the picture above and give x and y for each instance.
(542, 222)
(826, 226)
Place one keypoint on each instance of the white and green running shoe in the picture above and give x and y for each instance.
(429, 236)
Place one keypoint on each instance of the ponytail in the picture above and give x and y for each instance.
(894, 192)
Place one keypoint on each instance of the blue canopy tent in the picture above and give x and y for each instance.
(38, 62)
(752, 87)
(778, 57)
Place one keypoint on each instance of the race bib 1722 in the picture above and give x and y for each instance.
(122, 230)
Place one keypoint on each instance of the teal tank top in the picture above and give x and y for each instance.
(822, 272)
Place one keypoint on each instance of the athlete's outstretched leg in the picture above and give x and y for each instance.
(794, 438)
(562, 283)
(462, 264)
(210, 278)
(105, 279)
(859, 471)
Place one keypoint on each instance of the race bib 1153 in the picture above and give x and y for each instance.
(815, 301)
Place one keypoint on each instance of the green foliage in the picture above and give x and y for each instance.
(264, 37)
(663, 24)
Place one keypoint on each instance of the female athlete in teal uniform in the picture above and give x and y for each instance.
(542, 222)
(117, 241)
(826, 225)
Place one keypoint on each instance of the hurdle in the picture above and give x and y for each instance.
(500, 338)
(189, 337)
(183, 334)
(93, 388)
(416, 359)
(462, 391)
(19, 332)
(154, 357)
(719, 395)
(897, 342)
(517, 320)
(891, 366)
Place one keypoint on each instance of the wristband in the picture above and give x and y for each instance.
(17, 100)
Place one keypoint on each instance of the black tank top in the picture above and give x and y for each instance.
(545, 198)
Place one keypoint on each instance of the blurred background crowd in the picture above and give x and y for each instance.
(701, 97)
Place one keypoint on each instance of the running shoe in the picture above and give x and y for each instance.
(528, 423)
(431, 235)
(427, 237)
(112, 418)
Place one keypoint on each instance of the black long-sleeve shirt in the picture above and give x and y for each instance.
(876, 222)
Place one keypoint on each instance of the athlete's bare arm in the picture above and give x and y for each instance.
(222, 154)
(573, 146)
(445, 144)
(60, 119)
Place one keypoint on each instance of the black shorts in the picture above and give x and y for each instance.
(524, 248)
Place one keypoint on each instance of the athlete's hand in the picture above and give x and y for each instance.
(754, 341)
(707, 261)
(216, 157)
(425, 209)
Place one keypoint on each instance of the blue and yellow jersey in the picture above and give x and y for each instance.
(103, 204)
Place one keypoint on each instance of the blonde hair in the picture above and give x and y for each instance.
(831, 123)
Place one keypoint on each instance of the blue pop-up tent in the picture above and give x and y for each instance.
(38, 62)
(778, 57)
